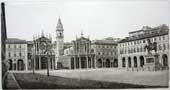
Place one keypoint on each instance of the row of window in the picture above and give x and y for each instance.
(132, 50)
(14, 46)
(104, 46)
(106, 53)
(14, 54)
(143, 41)
(141, 49)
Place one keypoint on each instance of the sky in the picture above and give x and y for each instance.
(96, 19)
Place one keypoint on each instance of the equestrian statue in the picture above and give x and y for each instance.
(151, 46)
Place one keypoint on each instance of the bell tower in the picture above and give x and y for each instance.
(59, 50)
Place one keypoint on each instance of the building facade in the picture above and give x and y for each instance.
(86, 54)
(16, 54)
(41, 58)
(82, 57)
(132, 51)
(105, 53)
(79, 55)
(29, 54)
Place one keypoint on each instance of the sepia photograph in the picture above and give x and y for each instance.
(85, 44)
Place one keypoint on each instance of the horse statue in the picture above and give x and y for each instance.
(151, 46)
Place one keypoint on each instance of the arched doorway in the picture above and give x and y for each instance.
(72, 63)
(123, 62)
(83, 62)
(141, 61)
(135, 61)
(43, 63)
(129, 61)
(165, 60)
(99, 63)
(89, 62)
(20, 64)
(107, 63)
(10, 64)
(77, 62)
(115, 63)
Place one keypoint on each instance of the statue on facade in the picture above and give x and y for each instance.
(151, 46)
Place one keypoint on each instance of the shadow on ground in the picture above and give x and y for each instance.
(37, 81)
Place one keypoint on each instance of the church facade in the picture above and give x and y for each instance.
(79, 55)
(82, 56)
(40, 57)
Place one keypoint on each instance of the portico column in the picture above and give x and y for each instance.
(87, 60)
(12, 66)
(94, 62)
(110, 63)
(39, 62)
(132, 62)
(91, 62)
(138, 61)
(126, 61)
(17, 66)
(74, 62)
(160, 59)
(102, 63)
(52, 62)
(79, 62)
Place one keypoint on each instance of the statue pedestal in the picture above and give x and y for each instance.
(152, 62)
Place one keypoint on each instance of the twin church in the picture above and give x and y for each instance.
(83, 53)
(75, 55)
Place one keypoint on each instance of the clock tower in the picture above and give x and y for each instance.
(59, 50)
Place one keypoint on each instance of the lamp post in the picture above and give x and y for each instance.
(49, 53)
(48, 73)
(33, 55)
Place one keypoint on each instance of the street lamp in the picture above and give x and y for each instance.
(33, 54)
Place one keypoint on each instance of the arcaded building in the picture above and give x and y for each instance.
(132, 51)
(16, 54)
(29, 53)
(105, 51)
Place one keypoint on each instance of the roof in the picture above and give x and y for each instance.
(147, 28)
(105, 42)
(42, 38)
(136, 31)
(154, 32)
(29, 42)
(81, 39)
(15, 41)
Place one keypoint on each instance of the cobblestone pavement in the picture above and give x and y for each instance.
(11, 82)
(153, 78)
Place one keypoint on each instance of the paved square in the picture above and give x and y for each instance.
(152, 78)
